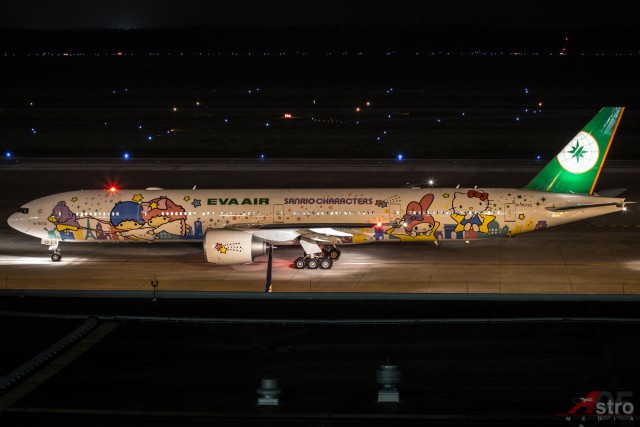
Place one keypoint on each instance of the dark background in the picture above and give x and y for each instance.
(205, 79)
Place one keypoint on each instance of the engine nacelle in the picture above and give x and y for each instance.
(232, 247)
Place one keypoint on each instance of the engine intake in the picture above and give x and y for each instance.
(226, 247)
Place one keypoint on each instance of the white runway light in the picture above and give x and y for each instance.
(21, 260)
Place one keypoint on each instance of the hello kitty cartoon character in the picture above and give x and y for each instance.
(417, 221)
(468, 208)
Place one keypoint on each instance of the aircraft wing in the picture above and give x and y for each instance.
(279, 233)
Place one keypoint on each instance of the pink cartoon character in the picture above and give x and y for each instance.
(417, 221)
(162, 214)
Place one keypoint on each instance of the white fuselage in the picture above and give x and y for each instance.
(365, 214)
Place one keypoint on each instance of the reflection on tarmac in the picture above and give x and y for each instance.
(557, 261)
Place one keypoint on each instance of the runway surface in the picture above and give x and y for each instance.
(597, 256)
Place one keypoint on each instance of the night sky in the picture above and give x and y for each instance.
(135, 14)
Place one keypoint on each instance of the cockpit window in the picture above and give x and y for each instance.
(23, 210)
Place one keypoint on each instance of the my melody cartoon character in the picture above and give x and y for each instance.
(468, 207)
(417, 221)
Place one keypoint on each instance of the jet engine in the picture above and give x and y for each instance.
(232, 247)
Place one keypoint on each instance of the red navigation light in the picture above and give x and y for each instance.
(112, 188)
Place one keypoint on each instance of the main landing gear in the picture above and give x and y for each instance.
(324, 260)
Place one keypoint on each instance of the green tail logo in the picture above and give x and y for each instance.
(577, 167)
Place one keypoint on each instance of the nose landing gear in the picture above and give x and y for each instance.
(56, 256)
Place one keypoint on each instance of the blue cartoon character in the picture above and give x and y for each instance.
(126, 217)
(378, 232)
(63, 218)
(469, 211)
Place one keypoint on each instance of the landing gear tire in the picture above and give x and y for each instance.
(56, 257)
(312, 263)
(326, 263)
(299, 263)
(334, 253)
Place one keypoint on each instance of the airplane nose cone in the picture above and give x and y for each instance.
(17, 221)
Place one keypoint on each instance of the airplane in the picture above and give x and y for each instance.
(236, 226)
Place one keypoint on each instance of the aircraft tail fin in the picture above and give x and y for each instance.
(577, 167)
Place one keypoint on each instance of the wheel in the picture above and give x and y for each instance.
(56, 257)
(312, 263)
(326, 263)
(299, 263)
(334, 253)
(323, 254)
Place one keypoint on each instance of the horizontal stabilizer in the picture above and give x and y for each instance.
(611, 192)
(582, 206)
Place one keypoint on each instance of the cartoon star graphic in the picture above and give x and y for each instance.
(458, 218)
(486, 220)
(445, 195)
(384, 204)
(196, 203)
(223, 250)
(137, 198)
(218, 246)
(521, 216)
(378, 203)
(483, 228)
(74, 199)
(153, 205)
(187, 198)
